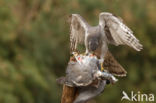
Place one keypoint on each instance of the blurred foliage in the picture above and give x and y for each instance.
(34, 47)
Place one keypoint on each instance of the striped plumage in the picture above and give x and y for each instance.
(120, 33)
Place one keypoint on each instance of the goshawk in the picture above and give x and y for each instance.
(111, 30)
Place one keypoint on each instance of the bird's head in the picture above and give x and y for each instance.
(93, 43)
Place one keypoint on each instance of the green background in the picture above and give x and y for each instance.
(34, 47)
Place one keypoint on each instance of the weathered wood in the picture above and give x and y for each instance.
(68, 94)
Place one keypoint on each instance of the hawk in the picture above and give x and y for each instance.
(110, 30)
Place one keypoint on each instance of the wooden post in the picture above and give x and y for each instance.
(68, 94)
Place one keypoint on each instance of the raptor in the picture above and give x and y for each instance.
(110, 30)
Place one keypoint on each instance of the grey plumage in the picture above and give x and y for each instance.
(81, 74)
(111, 30)
(119, 33)
(89, 92)
(84, 73)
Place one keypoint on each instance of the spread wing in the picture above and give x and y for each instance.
(78, 31)
(118, 33)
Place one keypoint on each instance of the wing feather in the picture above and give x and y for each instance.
(120, 34)
(78, 28)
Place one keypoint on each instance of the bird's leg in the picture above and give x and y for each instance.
(87, 51)
(104, 49)
(75, 54)
(101, 64)
(86, 45)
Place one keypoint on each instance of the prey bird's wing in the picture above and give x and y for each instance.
(118, 33)
(112, 66)
(78, 31)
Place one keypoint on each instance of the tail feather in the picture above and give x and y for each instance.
(112, 66)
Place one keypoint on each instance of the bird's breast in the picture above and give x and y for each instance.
(97, 52)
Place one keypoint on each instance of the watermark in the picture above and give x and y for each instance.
(138, 96)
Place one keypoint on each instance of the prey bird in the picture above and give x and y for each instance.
(110, 30)
(83, 73)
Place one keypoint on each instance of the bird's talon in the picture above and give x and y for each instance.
(86, 54)
(75, 54)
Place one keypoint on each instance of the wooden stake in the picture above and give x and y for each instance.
(68, 94)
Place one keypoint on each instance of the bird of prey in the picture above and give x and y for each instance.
(111, 30)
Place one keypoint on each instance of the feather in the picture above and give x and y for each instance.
(78, 28)
(119, 32)
(112, 66)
